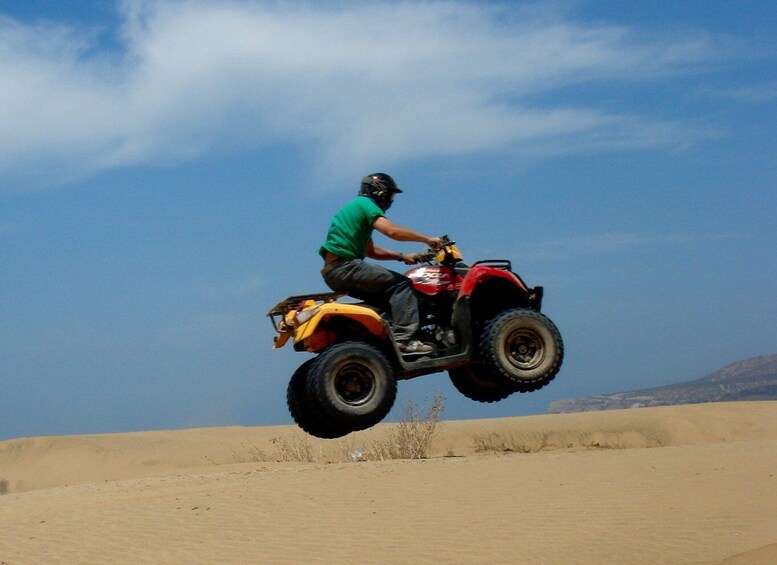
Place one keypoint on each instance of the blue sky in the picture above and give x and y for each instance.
(168, 170)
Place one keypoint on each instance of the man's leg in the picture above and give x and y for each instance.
(376, 284)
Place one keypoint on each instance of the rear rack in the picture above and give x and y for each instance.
(293, 302)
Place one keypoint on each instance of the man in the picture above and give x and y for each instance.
(349, 241)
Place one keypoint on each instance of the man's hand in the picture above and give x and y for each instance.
(435, 243)
(409, 258)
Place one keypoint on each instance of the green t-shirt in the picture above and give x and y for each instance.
(351, 229)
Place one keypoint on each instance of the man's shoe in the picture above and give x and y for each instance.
(415, 347)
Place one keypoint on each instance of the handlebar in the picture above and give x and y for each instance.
(429, 254)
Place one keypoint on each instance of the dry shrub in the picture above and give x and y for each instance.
(497, 443)
(297, 448)
(413, 435)
(533, 442)
(3, 487)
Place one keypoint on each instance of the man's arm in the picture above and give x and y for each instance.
(375, 252)
(399, 233)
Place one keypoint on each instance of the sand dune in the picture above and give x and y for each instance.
(687, 484)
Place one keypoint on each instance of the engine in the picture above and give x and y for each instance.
(437, 288)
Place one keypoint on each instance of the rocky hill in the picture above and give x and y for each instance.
(751, 379)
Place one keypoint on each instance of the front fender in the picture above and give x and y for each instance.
(481, 273)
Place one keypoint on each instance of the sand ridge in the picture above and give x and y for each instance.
(44, 462)
(690, 484)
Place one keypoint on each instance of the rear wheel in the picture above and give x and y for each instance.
(304, 414)
(524, 346)
(477, 383)
(353, 384)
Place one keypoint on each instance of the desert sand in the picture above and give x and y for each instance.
(684, 484)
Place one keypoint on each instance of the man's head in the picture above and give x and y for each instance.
(381, 188)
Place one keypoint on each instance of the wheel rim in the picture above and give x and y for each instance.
(354, 383)
(525, 349)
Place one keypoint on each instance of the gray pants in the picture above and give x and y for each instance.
(380, 287)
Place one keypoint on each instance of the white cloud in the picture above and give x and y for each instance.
(399, 81)
(756, 94)
(617, 242)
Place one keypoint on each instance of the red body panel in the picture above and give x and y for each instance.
(433, 279)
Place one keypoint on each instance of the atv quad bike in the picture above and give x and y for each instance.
(483, 321)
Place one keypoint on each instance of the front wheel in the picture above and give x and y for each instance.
(352, 383)
(481, 385)
(524, 346)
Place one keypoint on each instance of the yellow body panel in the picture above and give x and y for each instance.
(307, 332)
(452, 249)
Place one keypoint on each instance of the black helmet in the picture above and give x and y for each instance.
(381, 188)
